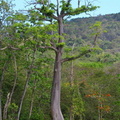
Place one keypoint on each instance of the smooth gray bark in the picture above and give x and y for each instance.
(56, 88)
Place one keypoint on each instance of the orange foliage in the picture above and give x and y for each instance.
(105, 108)
(87, 95)
(108, 95)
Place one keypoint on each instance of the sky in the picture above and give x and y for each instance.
(106, 6)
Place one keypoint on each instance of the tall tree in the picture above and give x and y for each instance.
(49, 11)
(5, 11)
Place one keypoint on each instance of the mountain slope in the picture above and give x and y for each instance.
(80, 33)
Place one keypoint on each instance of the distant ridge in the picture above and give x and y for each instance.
(80, 33)
(115, 16)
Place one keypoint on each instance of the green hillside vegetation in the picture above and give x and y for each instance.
(87, 86)
(80, 33)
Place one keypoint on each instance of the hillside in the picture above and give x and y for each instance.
(79, 31)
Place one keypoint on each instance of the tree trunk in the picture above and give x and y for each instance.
(71, 113)
(24, 92)
(29, 71)
(56, 88)
(1, 97)
(0, 103)
(1, 81)
(32, 99)
(9, 96)
(71, 84)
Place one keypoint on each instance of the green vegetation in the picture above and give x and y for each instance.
(79, 31)
(89, 63)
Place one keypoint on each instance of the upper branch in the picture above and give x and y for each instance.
(57, 7)
(65, 7)
(79, 10)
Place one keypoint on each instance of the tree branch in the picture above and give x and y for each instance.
(48, 47)
(3, 48)
(78, 3)
(54, 17)
(79, 10)
(11, 47)
(67, 6)
(76, 57)
(95, 39)
(57, 7)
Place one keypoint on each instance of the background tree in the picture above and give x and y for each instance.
(5, 11)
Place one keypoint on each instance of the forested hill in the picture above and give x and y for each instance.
(79, 31)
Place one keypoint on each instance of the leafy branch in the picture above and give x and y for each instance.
(77, 56)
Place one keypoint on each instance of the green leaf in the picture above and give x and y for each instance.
(60, 44)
